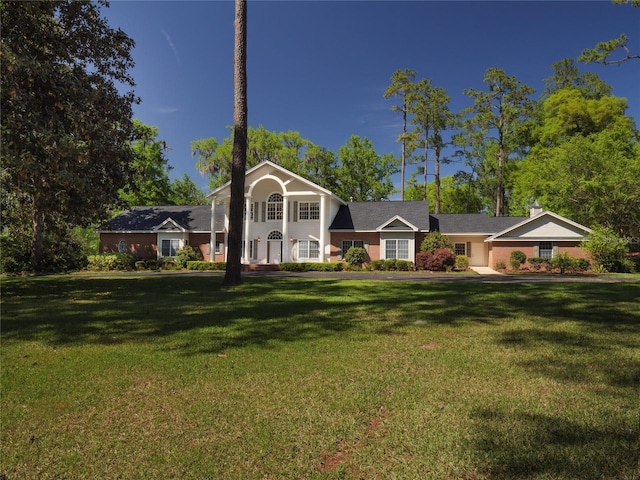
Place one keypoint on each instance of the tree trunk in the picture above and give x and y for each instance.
(233, 275)
(437, 178)
(37, 239)
(404, 141)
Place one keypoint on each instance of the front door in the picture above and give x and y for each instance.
(274, 251)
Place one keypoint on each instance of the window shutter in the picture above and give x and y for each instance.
(536, 251)
(288, 211)
(264, 211)
(469, 249)
(295, 211)
(554, 251)
(256, 206)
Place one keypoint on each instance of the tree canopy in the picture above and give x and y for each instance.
(66, 126)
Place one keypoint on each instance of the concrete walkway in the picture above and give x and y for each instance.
(485, 271)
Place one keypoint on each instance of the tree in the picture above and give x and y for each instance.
(183, 191)
(363, 175)
(149, 181)
(501, 111)
(584, 163)
(233, 275)
(66, 128)
(431, 113)
(402, 86)
(567, 75)
(603, 50)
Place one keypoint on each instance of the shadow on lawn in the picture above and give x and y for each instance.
(524, 445)
(69, 310)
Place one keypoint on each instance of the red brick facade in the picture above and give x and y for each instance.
(501, 251)
(145, 245)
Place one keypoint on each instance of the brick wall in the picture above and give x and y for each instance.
(501, 251)
(142, 245)
(371, 239)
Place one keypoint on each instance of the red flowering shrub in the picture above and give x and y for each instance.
(440, 260)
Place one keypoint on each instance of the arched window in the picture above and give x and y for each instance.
(274, 207)
(122, 246)
(275, 235)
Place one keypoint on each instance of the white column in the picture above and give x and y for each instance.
(212, 239)
(247, 222)
(285, 228)
(323, 227)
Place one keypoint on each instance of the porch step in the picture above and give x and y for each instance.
(261, 267)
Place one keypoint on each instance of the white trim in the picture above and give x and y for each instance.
(169, 220)
(393, 219)
(494, 237)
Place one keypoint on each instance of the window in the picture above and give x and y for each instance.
(170, 247)
(274, 207)
(347, 244)
(308, 249)
(398, 249)
(546, 249)
(122, 246)
(275, 235)
(460, 249)
(309, 211)
(217, 246)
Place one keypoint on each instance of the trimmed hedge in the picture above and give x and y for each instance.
(200, 265)
(312, 266)
(442, 259)
(111, 261)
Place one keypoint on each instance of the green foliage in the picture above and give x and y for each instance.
(187, 254)
(205, 266)
(111, 261)
(364, 175)
(355, 256)
(497, 119)
(537, 263)
(377, 265)
(312, 266)
(390, 264)
(404, 265)
(435, 240)
(288, 149)
(563, 262)
(607, 249)
(516, 259)
(584, 162)
(66, 126)
(462, 263)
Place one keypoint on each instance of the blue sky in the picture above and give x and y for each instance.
(320, 68)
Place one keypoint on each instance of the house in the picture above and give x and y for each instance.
(290, 219)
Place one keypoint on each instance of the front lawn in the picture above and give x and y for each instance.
(299, 378)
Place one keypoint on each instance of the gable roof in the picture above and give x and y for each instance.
(471, 223)
(150, 219)
(268, 166)
(371, 216)
(544, 225)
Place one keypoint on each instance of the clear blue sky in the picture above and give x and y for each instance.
(320, 68)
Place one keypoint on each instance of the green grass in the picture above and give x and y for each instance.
(178, 377)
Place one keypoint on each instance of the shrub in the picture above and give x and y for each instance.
(169, 263)
(607, 249)
(187, 254)
(390, 264)
(403, 265)
(141, 265)
(111, 261)
(583, 265)
(434, 241)
(634, 258)
(377, 265)
(316, 266)
(153, 264)
(563, 262)
(462, 263)
(421, 260)
(516, 259)
(537, 263)
(500, 265)
(355, 256)
(199, 265)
